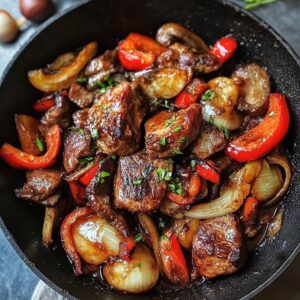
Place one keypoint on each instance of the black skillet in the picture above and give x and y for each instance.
(108, 21)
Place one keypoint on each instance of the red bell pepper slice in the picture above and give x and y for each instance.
(19, 159)
(78, 192)
(173, 260)
(263, 138)
(206, 169)
(87, 177)
(138, 52)
(224, 49)
(67, 238)
(191, 93)
(193, 190)
(44, 104)
(126, 248)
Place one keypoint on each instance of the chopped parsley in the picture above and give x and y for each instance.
(86, 160)
(170, 161)
(39, 143)
(76, 129)
(170, 121)
(175, 188)
(161, 224)
(160, 102)
(256, 3)
(106, 83)
(193, 163)
(95, 134)
(163, 174)
(139, 237)
(177, 152)
(138, 181)
(163, 141)
(181, 140)
(225, 131)
(208, 95)
(102, 175)
(164, 238)
(177, 129)
(113, 156)
(82, 79)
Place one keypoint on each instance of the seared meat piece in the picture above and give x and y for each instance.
(102, 66)
(76, 145)
(80, 96)
(250, 122)
(217, 247)
(140, 183)
(115, 119)
(60, 113)
(168, 133)
(40, 185)
(80, 117)
(184, 57)
(210, 141)
(172, 209)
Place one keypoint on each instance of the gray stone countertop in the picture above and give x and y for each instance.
(17, 281)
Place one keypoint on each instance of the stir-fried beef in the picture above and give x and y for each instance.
(210, 141)
(80, 96)
(217, 247)
(181, 56)
(80, 117)
(60, 113)
(77, 144)
(101, 66)
(115, 119)
(169, 133)
(140, 183)
(40, 185)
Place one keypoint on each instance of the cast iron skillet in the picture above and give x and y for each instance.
(108, 21)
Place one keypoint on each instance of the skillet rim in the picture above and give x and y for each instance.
(61, 14)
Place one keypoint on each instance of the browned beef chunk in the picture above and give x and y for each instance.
(77, 144)
(250, 122)
(80, 117)
(102, 66)
(80, 96)
(115, 119)
(169, 133)
(140, 183)
(181, 56)
(40, 185)
(217, 247)
(60, 113)
(210, 141)
(172, 209)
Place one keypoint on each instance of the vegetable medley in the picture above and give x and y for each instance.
(150, 162)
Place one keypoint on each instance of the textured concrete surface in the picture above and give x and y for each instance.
(17, 281)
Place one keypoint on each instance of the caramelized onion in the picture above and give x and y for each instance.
(231, 197)
(185, 230)
(276, 224)
(268, 182)
(137, 275)
(64, 76)
(281, 161)
(150, 231)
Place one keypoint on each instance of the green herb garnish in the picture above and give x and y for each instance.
(193, 163)
(39, 143)
(177, 152)
(163, 174)
(137, 181)
(86, 160)
(164, 238)
(82, 79)
(163, 141)
(208, 95)
(95, 133)
(113, 156)
(102, 175)
(139, 237)
(177, 129)
(138, 265)
(181, 140)
(106, 83)
(76, 129)
(175, 188)
(160, 102)
(170, 121)
(225, 131)
(161, 224)
(256, 3)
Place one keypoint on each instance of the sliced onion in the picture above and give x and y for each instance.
(282, 162)
(232, 197)
(276, 224)
(137, 275)
(150, 231)
(268, 182)
(185, 230)
(95, 239)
